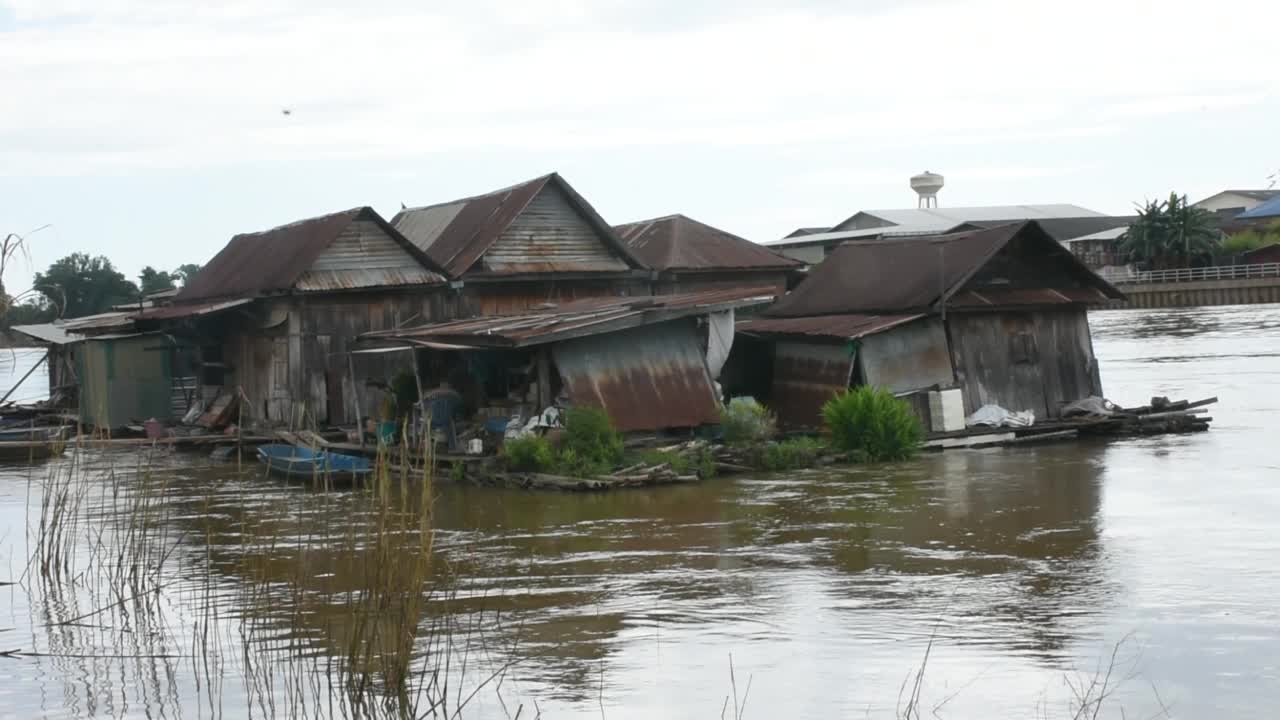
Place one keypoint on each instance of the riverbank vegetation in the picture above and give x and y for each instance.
(872, 425)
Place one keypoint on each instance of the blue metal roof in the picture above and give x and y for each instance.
(1270, 208)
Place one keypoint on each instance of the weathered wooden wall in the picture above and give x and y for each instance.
(498, 298)
(1024, 360)
(550, 232)
(673, 283)
(290, 356)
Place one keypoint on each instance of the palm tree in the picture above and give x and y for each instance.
(1171, 233)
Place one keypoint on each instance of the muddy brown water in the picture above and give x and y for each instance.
(1015, 576)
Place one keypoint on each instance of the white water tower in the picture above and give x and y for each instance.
(927, 185)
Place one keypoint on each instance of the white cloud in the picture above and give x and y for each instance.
(173, 83)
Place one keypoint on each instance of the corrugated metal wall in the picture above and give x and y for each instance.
(124, 380)
(646, 378)
(1035, 360)
(908, 357)
(550, 235)
(805, 376)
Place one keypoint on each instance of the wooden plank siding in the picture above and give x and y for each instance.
(551, 235)
(1024, 360)
(671, 283)
(287, 371)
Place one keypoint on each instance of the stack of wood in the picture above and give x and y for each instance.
(1165, 416)
(1157, 418)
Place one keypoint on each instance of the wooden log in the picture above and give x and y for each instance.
(1203, 403)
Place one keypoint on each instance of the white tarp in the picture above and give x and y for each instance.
(996, 416)
(719, 340)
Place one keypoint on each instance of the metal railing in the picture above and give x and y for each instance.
(1221, 272)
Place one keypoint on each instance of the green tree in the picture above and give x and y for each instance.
(1171, 233)
(183, 273)
(152, 280)
(29, 312)
(79, 284)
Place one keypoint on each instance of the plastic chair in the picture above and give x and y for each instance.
(441, 409)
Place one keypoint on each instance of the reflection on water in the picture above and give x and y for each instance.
(1021, 567)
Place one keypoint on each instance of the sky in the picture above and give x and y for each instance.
(151, 131)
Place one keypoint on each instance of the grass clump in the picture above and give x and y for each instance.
(746, 421)
(791, 454)
(531, 453)
(873, 425)
(592, 446)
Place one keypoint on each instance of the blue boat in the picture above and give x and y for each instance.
(28, 433)
(298, 463)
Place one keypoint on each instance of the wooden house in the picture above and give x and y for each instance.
(520, 247)
(271, 316)
(688, 256)
(999, 313)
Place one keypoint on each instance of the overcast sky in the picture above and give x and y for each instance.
(151, 130)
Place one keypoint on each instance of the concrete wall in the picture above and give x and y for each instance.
(1205, 292)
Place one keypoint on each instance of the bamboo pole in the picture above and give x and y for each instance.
(24, 377)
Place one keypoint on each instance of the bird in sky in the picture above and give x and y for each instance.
(286, 111)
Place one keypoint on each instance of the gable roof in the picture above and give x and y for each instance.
(911, 274)
(1260, 195)
(1270, 208)
(676, 242)
(270, 261)
(940, 219)
(457, 233)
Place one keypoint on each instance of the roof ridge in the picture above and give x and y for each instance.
(477, 196)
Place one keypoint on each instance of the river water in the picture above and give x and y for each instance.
(1023, 581)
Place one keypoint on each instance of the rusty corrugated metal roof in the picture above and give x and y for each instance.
(573, 319)
(677, 242)
(457, 233)
(272, 261)
(842, 327)
(645, 378)
(911, 274)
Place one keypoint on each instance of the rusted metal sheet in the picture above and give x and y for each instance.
(457, 234)
(677, 242)
(837, 327)
(905, 274)
(272, 261)
(646, 378)
(910, 357)
(111, 322)
(174, 312)
(806, 376)
(580, 317)
(363, 278)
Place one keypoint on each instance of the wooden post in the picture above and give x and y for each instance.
(355, 398)
(417, 379)
(544, 379)
(24, 377)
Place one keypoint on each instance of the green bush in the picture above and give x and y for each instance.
(531, 453)
(746, 421)
(791, 454)
(590, 436)
(873, 425)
